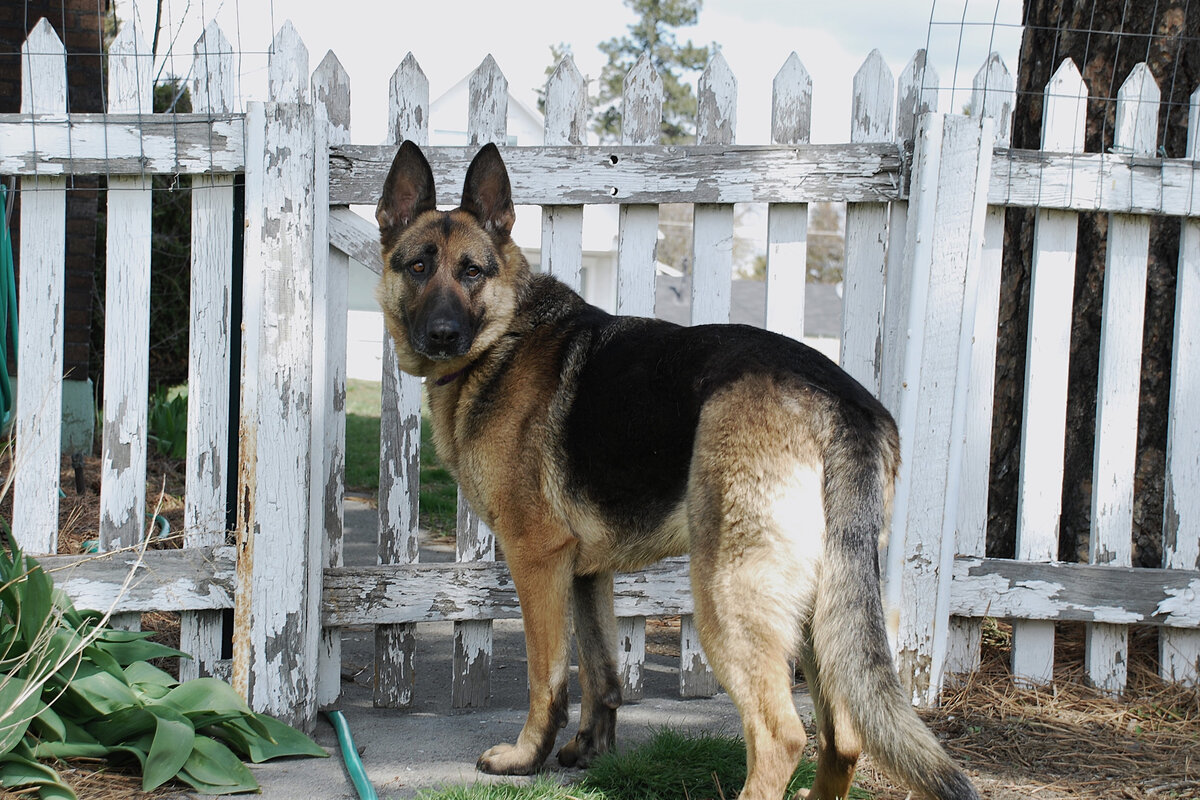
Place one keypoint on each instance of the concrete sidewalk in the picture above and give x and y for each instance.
(405, 752)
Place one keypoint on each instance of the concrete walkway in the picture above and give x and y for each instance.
(405, 752)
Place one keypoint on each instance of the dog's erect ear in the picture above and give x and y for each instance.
(407, 193)
(487, 194)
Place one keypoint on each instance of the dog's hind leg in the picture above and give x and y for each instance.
(596, 637)
(541, 570)
(749, 645)
(756, 525)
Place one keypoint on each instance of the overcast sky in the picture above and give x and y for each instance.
(449, 40)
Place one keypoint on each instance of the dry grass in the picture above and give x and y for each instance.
(95, 780)
(1054, 742)
(1067, 740)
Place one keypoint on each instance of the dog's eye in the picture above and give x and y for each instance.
(472, 271)
(417, 266)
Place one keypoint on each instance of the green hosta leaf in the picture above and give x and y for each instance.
(29, 598)
(21, 770)
(104, 661)
(48, 725)
(284, 741)
(130, 646)
(124, 725)
(214, 769)
(100, 691)
(148, 681)
(205, 696)
(71, 750)
(15, 711)
(267, 739)
(174, 738)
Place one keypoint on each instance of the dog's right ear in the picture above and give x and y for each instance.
(408, 192)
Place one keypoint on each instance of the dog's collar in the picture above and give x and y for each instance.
(451, 378)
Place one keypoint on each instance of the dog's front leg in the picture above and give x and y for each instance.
(541, 571)
(596, 637)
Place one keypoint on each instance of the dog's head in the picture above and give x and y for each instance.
(450, 278)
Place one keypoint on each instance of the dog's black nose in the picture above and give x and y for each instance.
(444, 332)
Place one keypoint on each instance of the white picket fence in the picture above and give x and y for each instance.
(926, 194)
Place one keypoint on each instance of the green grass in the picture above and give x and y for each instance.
(671, 766)
(439, 493)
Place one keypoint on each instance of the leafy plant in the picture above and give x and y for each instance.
(168, 421)
(71, 687)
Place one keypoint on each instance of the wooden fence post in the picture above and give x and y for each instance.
(712, 288)
(127, 317)
(1121, 322)
(400, 431)
(331, 98)
(866, 234)
(487, 121)
(992, 96)
(787, 223)
(712, 225)
(566, 123)
(209, 352)
(945, 233)
(1178, 649)
(916, 95)
(42, 280)
(1043, 423)
(276, 642)
(637, 245)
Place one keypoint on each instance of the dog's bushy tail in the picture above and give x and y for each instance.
(850, 647)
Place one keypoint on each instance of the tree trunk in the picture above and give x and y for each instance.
(1105, 39)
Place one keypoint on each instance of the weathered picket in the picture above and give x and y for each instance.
(787, 223)
(1179, 650)
(637, 245)
(926, 196)
(276, 644)
(210, 351)
(399, 430)
(992, 96)
(1043, 431)
(331, 96)
(40, 291)
(866, 233)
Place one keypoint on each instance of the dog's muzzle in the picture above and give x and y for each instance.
(444, 332)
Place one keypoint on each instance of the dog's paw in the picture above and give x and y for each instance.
(581, 751)
(508, 759)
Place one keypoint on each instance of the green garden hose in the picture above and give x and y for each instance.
(93, 545)
(354, 765)
(8, 310)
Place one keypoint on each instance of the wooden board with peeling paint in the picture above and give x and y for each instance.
(41, 283)
(866, 234)
(209, 352)
(992, 97)
(399, 428)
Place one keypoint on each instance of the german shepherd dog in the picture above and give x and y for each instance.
(592, 444)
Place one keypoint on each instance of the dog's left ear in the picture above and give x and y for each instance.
(487, 194)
